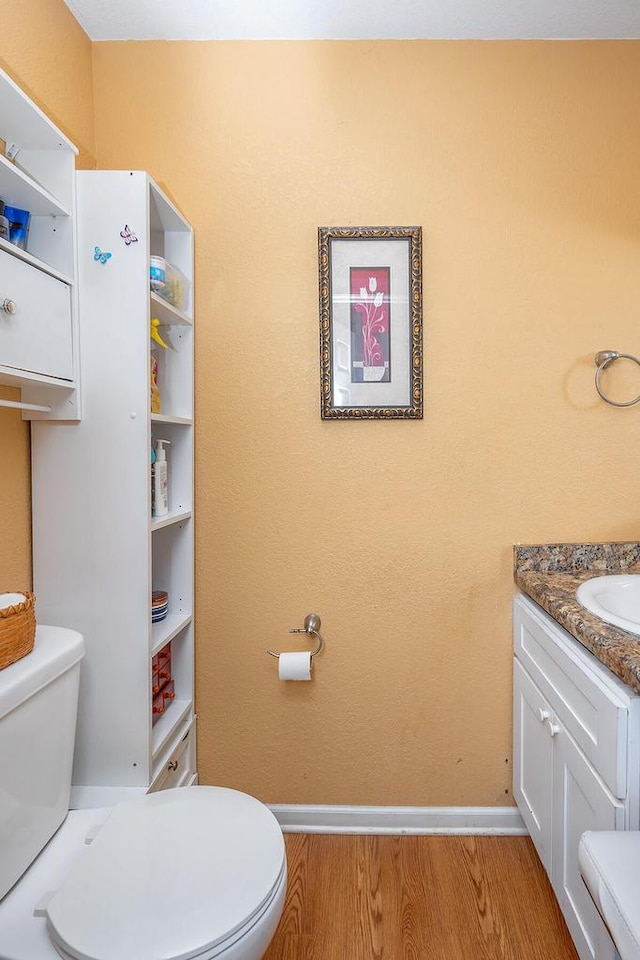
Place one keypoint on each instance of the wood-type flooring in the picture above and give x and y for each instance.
(418, 898)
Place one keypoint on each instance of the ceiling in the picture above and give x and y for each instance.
(356, 19)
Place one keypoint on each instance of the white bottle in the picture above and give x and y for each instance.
(160, 481)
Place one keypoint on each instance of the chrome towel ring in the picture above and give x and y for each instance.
(604, 359)
(312, 624)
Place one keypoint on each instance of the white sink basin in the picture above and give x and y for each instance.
(614, 598)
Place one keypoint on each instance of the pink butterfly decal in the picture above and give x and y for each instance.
(128, 235)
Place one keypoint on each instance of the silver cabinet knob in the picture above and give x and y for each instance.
(8, 306)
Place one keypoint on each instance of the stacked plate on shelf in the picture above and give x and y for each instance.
(159, 605)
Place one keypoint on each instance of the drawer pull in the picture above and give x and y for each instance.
(9, 306)
(553, 728)
(172, 765)
(544, 716)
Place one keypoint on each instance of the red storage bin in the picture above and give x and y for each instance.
(168, 694)
(158, 707)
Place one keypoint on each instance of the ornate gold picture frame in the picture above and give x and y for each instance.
(370, 323)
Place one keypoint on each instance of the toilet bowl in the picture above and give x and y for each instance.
(193, 873)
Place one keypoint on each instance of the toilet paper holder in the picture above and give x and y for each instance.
(312, 625)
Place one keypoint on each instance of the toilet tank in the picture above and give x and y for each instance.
(38, 708)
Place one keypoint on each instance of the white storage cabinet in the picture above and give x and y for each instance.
(576, 759)
(98, 553)
(38, 306)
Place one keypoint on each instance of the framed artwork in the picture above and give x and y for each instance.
(370, 323)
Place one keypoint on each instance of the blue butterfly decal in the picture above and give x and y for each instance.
(128, 235)
(99, 255)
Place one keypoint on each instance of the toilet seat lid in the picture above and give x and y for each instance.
(170, 875)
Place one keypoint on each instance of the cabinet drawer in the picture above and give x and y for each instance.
(37, 337)
(584, 695)
(179, 770)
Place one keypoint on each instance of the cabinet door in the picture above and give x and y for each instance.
(589, 702)
(36, 336)
(533, 761)
(581, 802)
(179, 770)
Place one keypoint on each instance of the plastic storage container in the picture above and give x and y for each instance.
(168, 282)
(19, 221)
(157, 273)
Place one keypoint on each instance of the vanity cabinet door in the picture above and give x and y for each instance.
(587, 700)
(533, 761)
(581, 802)
(575, 760)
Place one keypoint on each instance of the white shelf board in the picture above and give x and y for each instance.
(167, 418)
(168, 315)
(17, 377)
(167, 629)
(24, 123)
(166, 725)
(158, 523)
(34, 261)
(19, 190)
(170, 218)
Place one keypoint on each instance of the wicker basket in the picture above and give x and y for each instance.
(17, 630)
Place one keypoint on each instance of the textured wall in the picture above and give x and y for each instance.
(520, 160)
(15, 499)
(48, 54)
(44, 50)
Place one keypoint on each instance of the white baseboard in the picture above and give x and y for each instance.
(311, 818)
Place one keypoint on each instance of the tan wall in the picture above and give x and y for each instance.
(47, 54)
(520, 160)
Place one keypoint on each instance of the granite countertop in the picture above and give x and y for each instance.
(551, 573)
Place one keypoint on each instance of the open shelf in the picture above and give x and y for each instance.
(167, 629)
(166, 418)
(24, 123)
(19, 190)
(158, 523)
(34, 261)
(167, 314)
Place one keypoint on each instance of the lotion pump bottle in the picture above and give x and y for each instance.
(160, 482)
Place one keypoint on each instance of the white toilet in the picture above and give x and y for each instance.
(195, 873)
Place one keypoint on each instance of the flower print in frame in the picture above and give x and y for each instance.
(370, 322)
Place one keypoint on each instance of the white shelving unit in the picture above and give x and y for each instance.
(98, 552)
(38, 297)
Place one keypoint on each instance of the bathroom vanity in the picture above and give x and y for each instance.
(576, 730)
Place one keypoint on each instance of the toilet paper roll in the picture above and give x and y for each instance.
(294, 666)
